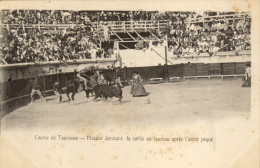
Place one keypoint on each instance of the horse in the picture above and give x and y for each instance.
(90, 75)
(72, 87)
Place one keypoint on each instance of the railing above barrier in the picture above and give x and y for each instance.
(170, 54)
(218, 18)
(116, 26)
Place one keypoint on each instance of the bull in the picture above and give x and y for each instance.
(108, 91)
(72, 87)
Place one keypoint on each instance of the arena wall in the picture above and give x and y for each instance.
(187, 69)
(28, 70)
(155, 56)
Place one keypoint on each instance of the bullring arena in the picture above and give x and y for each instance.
(192, 66)
(219, 99)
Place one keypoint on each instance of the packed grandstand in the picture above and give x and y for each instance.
(51, 35)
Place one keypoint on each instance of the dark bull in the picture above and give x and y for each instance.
(108, 91)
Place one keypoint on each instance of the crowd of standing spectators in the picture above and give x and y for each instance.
(79, 17)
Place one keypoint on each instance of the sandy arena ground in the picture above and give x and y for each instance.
(214, 109)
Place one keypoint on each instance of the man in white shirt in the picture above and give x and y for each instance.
(248, 72)
(247, 81)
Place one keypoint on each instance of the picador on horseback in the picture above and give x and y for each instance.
(88, 76)
(103, 82)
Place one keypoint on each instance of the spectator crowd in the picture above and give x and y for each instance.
(37, 46)
(83, 41)
(209, 37)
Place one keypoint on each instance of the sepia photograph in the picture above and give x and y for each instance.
(129, 84)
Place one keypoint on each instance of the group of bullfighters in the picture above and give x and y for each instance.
(103, 83)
